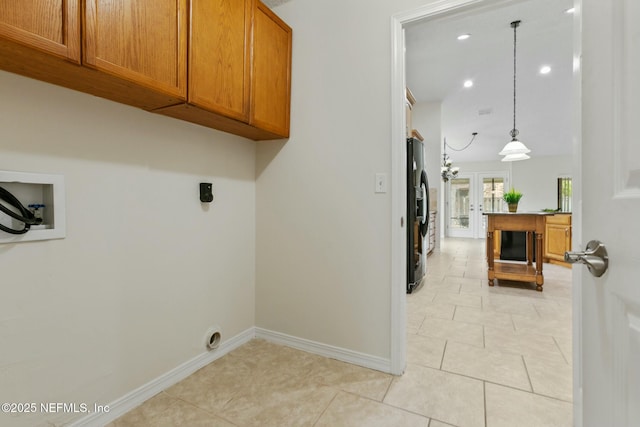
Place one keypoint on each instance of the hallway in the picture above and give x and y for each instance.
(480, 355)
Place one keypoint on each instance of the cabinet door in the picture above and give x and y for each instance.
(271, 73)
(557, 241)
(142, 41)
(219, 56)
(52, 26)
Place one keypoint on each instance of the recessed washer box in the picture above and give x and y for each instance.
(36, 188)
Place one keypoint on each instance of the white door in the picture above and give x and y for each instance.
(461, 206)
(469, 195)
(491, 187)
(609, 352)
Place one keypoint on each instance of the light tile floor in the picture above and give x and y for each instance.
(477, 356)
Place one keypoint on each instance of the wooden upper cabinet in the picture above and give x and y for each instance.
(225, 64)
(239, 70)
(271, 72)
(50, 26)
(141, 41)
(219, 56)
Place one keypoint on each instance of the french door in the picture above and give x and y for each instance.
(491, 187)
(460, 201)
(468, 196)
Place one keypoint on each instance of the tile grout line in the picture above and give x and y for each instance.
(327, 407)
(421, 323)
(409, 411)
(559, 349)
(484, 340)
(505, 386)
(444, 350)
(527, 371)
(469, 376)
(218, 413)
(484, 393)
(389, 387)
(546, 396)
(536, 310)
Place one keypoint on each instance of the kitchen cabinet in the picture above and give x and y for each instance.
(432, 232)
(239, 70)
(219, 54)
(271, 72)
(225, 65)
(558, 238)
(409, 102)
(141, 41)
(123, 54)
(45, 25)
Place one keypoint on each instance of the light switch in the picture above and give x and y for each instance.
(381, 182)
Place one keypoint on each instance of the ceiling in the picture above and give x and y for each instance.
(438, 64)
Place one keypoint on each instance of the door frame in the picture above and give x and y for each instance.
(398, 340)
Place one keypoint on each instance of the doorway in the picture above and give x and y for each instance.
(490, 202)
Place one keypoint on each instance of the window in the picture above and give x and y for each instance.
(564, 194)
(492, 191)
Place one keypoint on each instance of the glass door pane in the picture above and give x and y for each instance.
(490, 197)
(460, 206)
(492, 191)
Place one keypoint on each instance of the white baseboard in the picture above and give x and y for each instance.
(332, 352)
(136, 397)
(131, 400)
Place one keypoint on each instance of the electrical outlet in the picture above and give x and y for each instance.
(206, 192)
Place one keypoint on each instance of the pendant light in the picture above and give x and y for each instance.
(514, 150)
(447, 170)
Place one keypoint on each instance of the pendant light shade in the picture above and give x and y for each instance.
(514, 150)
(515, 157)
(514, 147)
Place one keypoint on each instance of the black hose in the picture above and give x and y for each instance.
(25, 216)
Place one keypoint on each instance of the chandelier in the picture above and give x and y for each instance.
(514, 150)
(447, 170)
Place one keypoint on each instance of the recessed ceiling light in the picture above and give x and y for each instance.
(468, 83)
(464, 36)
(570, 10)
(545, 69)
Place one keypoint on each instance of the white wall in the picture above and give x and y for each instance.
(427, 117)
(536, 178)
(323, 263)
(144, 270)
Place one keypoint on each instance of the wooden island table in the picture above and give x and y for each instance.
(532, 223)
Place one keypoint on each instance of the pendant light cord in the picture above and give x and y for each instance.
(459, 149)
(515, 25)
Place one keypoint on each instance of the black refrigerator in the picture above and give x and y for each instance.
(417, 214)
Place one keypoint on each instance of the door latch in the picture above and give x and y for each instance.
(595, 257)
